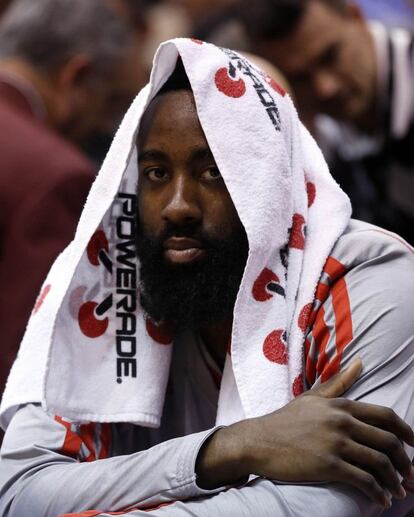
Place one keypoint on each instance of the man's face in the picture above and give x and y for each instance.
(191, 244)
(329, 60)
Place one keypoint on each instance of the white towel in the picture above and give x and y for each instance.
(89, 354)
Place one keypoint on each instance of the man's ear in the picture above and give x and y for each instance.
(73, 74)
(69, 91)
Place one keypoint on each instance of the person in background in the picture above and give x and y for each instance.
(353, 85)
(60, 64)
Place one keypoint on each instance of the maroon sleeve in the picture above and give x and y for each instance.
(38, 229)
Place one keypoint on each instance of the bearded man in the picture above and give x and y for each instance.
(230, 383)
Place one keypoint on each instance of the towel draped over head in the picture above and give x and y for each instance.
(90, 352)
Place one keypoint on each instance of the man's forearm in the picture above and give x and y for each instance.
(36, 480)
(262, 498)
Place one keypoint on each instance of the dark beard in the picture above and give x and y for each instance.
(189, 296)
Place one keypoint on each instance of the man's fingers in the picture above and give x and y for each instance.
(339, 383)
(381, 417)
(386, 443)
(376, 463)
(363, 481)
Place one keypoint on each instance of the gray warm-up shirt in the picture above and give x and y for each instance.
(50, 466)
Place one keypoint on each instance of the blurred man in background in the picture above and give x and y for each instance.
(62, 62)
(353, 83)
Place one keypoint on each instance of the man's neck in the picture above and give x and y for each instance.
(217, 338)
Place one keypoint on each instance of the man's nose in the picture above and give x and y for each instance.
(325, 84)
(182, 206)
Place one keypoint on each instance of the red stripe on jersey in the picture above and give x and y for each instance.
(334, 268)
(343, 326)
(343, 323)
(321, 335)
(72, 443)
(86, 435)
(343, 317)
(322, 292)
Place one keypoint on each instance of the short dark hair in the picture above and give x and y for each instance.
(177, 81)
(275, 19)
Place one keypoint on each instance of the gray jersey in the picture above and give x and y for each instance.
(50, 466)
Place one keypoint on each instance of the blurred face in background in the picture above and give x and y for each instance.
(329, 59)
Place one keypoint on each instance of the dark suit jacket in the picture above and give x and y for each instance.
(44, 182)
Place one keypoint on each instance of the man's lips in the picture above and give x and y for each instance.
(182, 250)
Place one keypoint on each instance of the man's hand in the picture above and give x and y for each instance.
(316, 437)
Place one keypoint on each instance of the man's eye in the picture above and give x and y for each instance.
(156, 174)
(211, 173)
